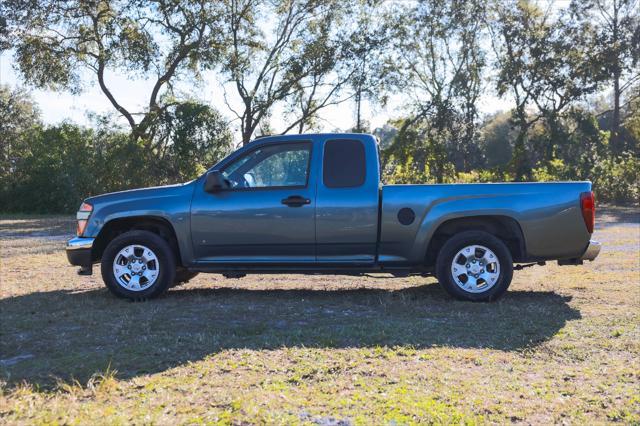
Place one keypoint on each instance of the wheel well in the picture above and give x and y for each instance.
(503, 227)
(115, 227)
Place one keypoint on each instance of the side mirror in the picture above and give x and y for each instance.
(215, 182)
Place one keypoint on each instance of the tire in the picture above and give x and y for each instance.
(144, 262)
(483, 266)
(183, 276)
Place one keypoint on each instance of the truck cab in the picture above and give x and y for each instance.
(290, 201)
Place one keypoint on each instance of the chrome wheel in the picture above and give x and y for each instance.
(475, 269)
(136, 267)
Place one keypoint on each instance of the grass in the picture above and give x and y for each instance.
(562, 346)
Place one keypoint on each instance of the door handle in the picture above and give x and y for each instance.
(295, 201)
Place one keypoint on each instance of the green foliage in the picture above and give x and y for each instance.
(51, 169)
(55, 174)
(483, 176)
(632, 121)
(441, 76)
(58, 43)
(287, 63)
(582, 153)
(19, 116)
(614, 27)
(496, 138)
(552, 171)
(191, 137)
(617, 179)
(417, 154)
(546, 65)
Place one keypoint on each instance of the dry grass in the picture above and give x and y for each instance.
(563, 346)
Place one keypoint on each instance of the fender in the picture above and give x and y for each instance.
(170, 204)
(465, 207)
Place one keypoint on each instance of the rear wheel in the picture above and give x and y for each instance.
(138, 265)
(475, 266)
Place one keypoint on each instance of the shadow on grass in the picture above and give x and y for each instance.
(72, 335)
(617, 216)
(17, 227)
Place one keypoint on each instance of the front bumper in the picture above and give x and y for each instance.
(79, 254)
(592, 251)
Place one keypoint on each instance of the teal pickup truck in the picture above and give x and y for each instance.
(314, 204)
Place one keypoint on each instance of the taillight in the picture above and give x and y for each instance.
(588, 206)
(83, 217)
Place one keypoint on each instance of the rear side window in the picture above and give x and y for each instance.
(343, 164)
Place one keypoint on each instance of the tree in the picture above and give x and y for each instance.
(56, 41)
(19, 117)
(496, 140)
(616, 26)
(364, 64)
(54, 174)
(416, 157)
(323, 52)
(267, 70)
(4, 30)
(439, 59)
(632, 121)
(545, 65)
(192, 137)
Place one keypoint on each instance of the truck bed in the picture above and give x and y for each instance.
(547, 214)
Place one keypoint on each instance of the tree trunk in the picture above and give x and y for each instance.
(616, 147)
(520, 161)
(358, 128)
(520, 158)
(247, 127)
(359, 91)
(555, 135)
(615, 120)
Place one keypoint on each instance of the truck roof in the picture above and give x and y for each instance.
(312, 136)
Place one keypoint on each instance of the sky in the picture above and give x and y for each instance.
(133, 94)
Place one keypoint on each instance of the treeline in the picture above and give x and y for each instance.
(50, 169)
(569, 71)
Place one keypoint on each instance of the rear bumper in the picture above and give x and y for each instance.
(592, 251)
(79, 254)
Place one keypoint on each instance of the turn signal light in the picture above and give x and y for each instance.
(588, 207)
(83, 217)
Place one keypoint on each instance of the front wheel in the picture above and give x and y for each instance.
(138, 265)
(475, 266)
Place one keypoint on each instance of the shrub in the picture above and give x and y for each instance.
(617, 179)
(59, 166)
(554, 170)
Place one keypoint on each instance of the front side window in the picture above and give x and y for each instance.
(271, 166)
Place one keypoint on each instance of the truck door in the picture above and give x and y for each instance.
(268, 213)
(347, 201)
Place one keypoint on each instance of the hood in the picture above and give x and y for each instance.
(138, 193)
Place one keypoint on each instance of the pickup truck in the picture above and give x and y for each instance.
(314, 204)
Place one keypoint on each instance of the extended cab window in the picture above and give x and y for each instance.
(344, 164)
(270, 167)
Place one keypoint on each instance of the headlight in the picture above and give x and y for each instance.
(83, 217)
